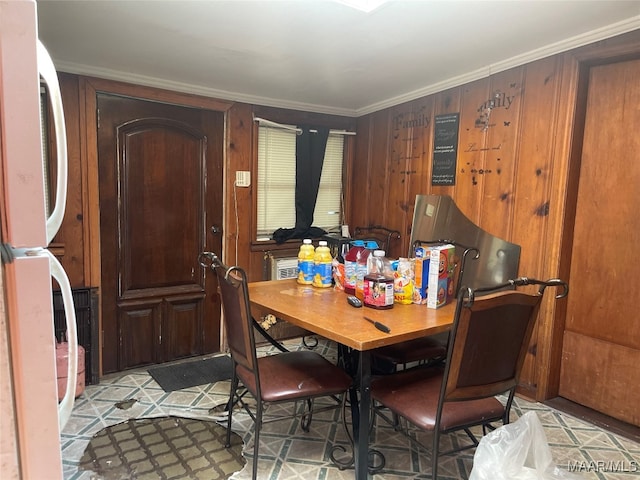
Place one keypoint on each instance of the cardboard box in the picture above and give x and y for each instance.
(441, 275)
(421, 273)
(421, 279)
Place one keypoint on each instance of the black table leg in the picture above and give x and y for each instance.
(362, 418)
(366, 460)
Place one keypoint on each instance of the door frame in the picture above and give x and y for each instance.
(89, 89)
(573, 99)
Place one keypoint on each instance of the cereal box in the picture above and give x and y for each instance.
(421, 279)
(421, 273)
(440, 278)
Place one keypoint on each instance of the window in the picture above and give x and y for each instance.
(277, 182)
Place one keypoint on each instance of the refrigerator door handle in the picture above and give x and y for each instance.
(48, 73)
(66, 405)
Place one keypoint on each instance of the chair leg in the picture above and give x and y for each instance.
(396, 422)
(305, 420)
(230, 404)
(434, 454)
(256, 439)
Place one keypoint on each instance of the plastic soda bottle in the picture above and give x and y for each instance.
(305, 262)
(323, 268)
(351, 265)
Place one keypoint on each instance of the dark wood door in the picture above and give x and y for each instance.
(160, 177)
(601, 350)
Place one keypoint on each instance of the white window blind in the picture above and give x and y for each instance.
(277, 182)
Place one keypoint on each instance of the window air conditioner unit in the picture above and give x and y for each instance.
(280, 267)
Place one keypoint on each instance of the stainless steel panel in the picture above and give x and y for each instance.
(437, 217)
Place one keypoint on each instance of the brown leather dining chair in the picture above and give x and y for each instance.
(282, 377)
(487, 347)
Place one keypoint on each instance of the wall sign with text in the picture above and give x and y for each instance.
(445, 149)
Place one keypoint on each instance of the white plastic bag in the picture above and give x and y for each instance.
(517, 451)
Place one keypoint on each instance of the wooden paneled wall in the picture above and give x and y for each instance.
(513, 176)
(505, 163)
(513, 173)
(504, 166)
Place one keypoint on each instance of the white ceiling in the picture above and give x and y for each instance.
(317, 55)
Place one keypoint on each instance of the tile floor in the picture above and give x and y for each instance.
(288, 453)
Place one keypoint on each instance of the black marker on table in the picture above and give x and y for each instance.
(380, 326)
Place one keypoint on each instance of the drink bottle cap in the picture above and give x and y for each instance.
(307, 241)
(378, 253)
(322, 243)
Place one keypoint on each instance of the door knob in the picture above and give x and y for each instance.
(216, 230)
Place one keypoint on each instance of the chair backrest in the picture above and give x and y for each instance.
(234, 294)
(383, 236)
(490, 338)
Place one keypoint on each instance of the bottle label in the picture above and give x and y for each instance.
(305, 272)
(378, 291)
(361, 272)
(323, 274)
(350, 274)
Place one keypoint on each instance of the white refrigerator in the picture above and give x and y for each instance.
(31, 417)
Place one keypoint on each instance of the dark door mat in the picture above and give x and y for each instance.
(192, 373)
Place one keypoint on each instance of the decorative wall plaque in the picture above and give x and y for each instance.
(445, 149)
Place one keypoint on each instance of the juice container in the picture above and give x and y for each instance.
(351, 265)
(306, 262)
(323, 268)
(378, 283)
(362, 267)
(338, 268)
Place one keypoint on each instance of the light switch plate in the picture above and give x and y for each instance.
(243, 178)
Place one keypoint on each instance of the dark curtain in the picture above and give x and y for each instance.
(310, 148)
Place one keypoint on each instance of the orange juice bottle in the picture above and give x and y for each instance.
(306, 262)
(323, 268)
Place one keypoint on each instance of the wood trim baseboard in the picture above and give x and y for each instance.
(610, 424)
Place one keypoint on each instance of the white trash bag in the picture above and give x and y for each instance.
(517, 451)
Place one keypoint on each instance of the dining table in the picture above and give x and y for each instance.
(326, 312)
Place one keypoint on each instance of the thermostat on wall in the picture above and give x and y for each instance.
(243, 178)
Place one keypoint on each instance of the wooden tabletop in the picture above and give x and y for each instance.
(325, 311)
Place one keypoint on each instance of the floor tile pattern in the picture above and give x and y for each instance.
(287, 453)
(164, 448)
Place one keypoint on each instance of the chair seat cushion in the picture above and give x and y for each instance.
(424, 348)
(291, 375)
(414, 395)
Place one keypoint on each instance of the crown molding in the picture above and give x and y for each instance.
(612, 30)
(143, 80)
(603, 33)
